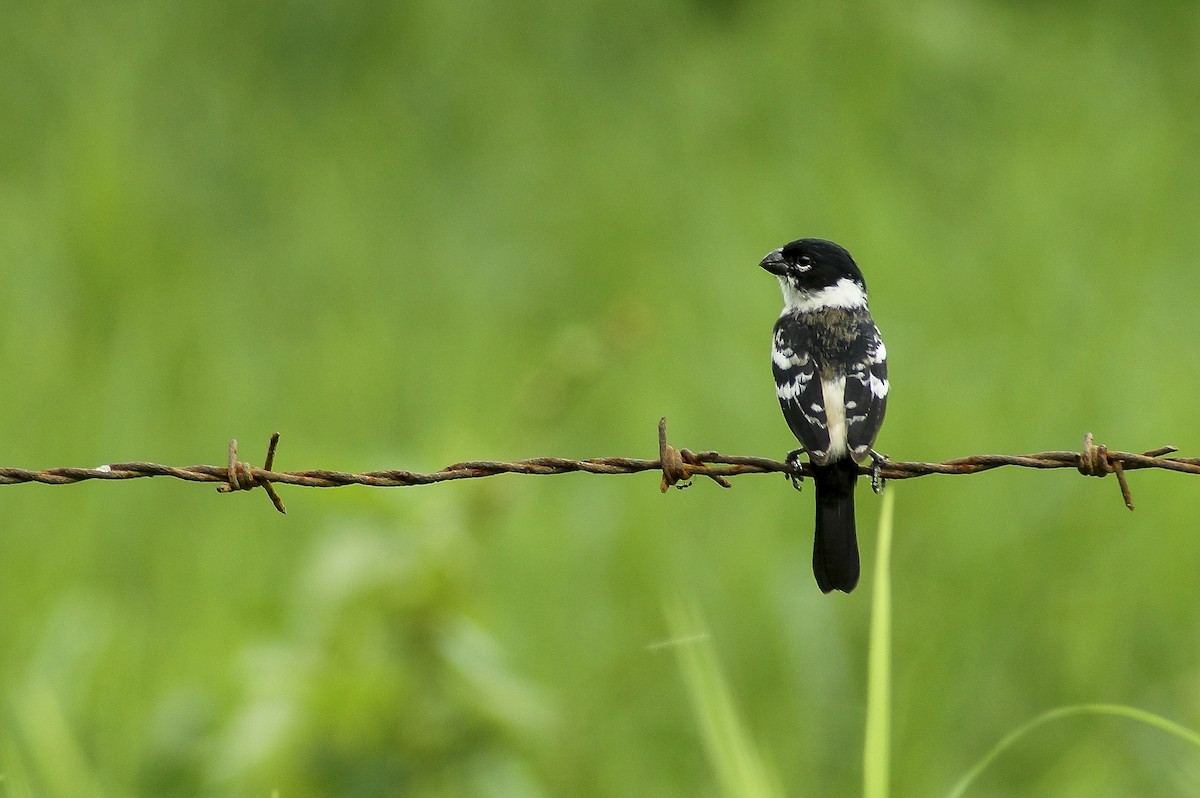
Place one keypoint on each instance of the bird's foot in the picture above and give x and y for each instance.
(878, 461)
(793, 464)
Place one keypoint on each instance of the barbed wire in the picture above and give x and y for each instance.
(678, 467)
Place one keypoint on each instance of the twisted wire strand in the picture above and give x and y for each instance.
(678, 467)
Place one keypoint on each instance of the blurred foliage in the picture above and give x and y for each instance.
(405, 234)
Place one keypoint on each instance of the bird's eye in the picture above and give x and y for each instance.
(804, 262)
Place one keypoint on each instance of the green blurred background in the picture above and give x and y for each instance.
(408, 234)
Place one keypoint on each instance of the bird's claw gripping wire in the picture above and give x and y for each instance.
(878, 461)
(794, 473)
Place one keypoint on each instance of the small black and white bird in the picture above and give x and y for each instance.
(831, 378)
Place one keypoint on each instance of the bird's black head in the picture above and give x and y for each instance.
(812, 264)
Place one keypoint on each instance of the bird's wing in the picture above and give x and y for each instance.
(866, 393)
(797, 386)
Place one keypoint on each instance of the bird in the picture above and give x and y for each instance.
(830, 368)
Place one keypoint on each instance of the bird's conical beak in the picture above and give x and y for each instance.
(774, 263)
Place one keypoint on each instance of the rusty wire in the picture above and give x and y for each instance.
(678, 467)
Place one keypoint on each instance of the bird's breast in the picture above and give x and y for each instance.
(833, 394)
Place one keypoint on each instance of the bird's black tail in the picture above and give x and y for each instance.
(835, 545)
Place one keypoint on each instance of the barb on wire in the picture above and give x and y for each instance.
(243, 476)
(678, 467)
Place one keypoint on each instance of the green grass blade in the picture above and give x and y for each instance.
(740, 767)
(1132, 713)
(877, 746)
